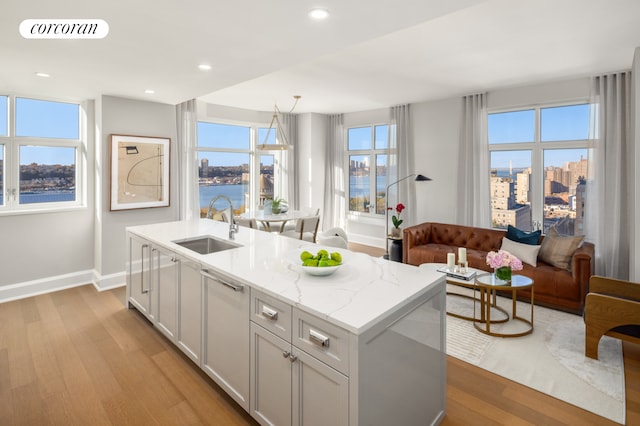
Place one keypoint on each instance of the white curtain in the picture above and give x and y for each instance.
(334, 214)
(402, 165)
(610, 173)
(290, 162)
(187, 122)
(473, 208)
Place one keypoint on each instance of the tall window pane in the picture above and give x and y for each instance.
(4, 116)
(510, 189)
(214, 135)
(564, 123)
(266, 178)
(47, 119)
(47, 174)
(511, 127)
(224, 173)
(359, 183)
(381, 183)
(565, 172)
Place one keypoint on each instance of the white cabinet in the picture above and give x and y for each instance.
(165, 268)
(139, 276)
(289, 385)
(271, 374)
(190, 301)
(226, 335)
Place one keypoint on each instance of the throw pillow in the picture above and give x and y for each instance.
(558, 249)
(515, 234)
(525, 252)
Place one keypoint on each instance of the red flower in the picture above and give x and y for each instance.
(400, 207)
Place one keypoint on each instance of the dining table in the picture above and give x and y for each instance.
(269, 220)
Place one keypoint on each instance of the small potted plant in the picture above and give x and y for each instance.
(277, 205)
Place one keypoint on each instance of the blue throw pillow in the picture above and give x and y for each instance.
(515, 234)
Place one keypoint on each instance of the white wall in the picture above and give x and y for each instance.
(138, 118)
(436, 134)
(312, 137)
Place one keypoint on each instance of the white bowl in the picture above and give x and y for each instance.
(320, 271)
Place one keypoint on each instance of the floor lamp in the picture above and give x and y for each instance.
(419, 178)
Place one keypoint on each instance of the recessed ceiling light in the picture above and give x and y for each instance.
(150, 91)
(204, 67)
(319, 13)
(43, 74)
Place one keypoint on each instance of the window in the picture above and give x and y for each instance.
(40, 154)
(230, 165)
(539, 167)
(368, 162)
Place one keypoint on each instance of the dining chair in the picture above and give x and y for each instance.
(307, 229)
(294, 225)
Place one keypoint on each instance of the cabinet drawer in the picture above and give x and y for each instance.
(321, 339)
(271, 314)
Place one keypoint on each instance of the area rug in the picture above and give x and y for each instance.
(550, 360)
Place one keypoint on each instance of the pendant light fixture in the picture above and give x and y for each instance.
(280, 135)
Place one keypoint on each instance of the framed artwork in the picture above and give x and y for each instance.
(139, 172)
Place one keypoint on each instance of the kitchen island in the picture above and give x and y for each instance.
(363, 346)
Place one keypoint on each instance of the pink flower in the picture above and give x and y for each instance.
(503, 258)
(396, 220)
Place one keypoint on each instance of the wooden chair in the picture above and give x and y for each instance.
(612, 308)
(307, 229)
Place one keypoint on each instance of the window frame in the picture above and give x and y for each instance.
(12, 144)
(254, 157)
(537, 148)
(373, 153)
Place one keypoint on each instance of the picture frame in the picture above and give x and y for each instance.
(140, 173)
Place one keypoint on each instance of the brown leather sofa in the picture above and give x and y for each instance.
(554, 287)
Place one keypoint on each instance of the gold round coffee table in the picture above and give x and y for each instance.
(487, 286)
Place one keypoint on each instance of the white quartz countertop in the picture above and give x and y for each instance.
(362, 291)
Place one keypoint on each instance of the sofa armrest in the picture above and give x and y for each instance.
(582, 267)
(413, 236)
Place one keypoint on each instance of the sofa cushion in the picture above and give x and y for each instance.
(515, 234)
(525, 252)
(557, 249)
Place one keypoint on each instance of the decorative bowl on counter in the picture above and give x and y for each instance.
(320, 271)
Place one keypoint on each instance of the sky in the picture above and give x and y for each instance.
(562, 123)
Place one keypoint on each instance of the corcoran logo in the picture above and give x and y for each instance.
(63, 28)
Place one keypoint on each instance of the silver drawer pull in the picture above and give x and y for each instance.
(318, 338)
(272, 314)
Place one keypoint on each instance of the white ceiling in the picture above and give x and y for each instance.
(368, 54)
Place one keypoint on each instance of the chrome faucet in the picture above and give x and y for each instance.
(233, 227)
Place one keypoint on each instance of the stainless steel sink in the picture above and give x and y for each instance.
(206, 245)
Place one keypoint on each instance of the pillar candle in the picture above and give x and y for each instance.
(451, 260)
(462, 255)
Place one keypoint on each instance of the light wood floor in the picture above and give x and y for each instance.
(79, 357)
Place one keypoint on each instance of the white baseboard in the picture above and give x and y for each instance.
(60, 282)
(366, 240)
(107, 282)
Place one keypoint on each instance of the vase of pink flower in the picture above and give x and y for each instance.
(503, 263)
